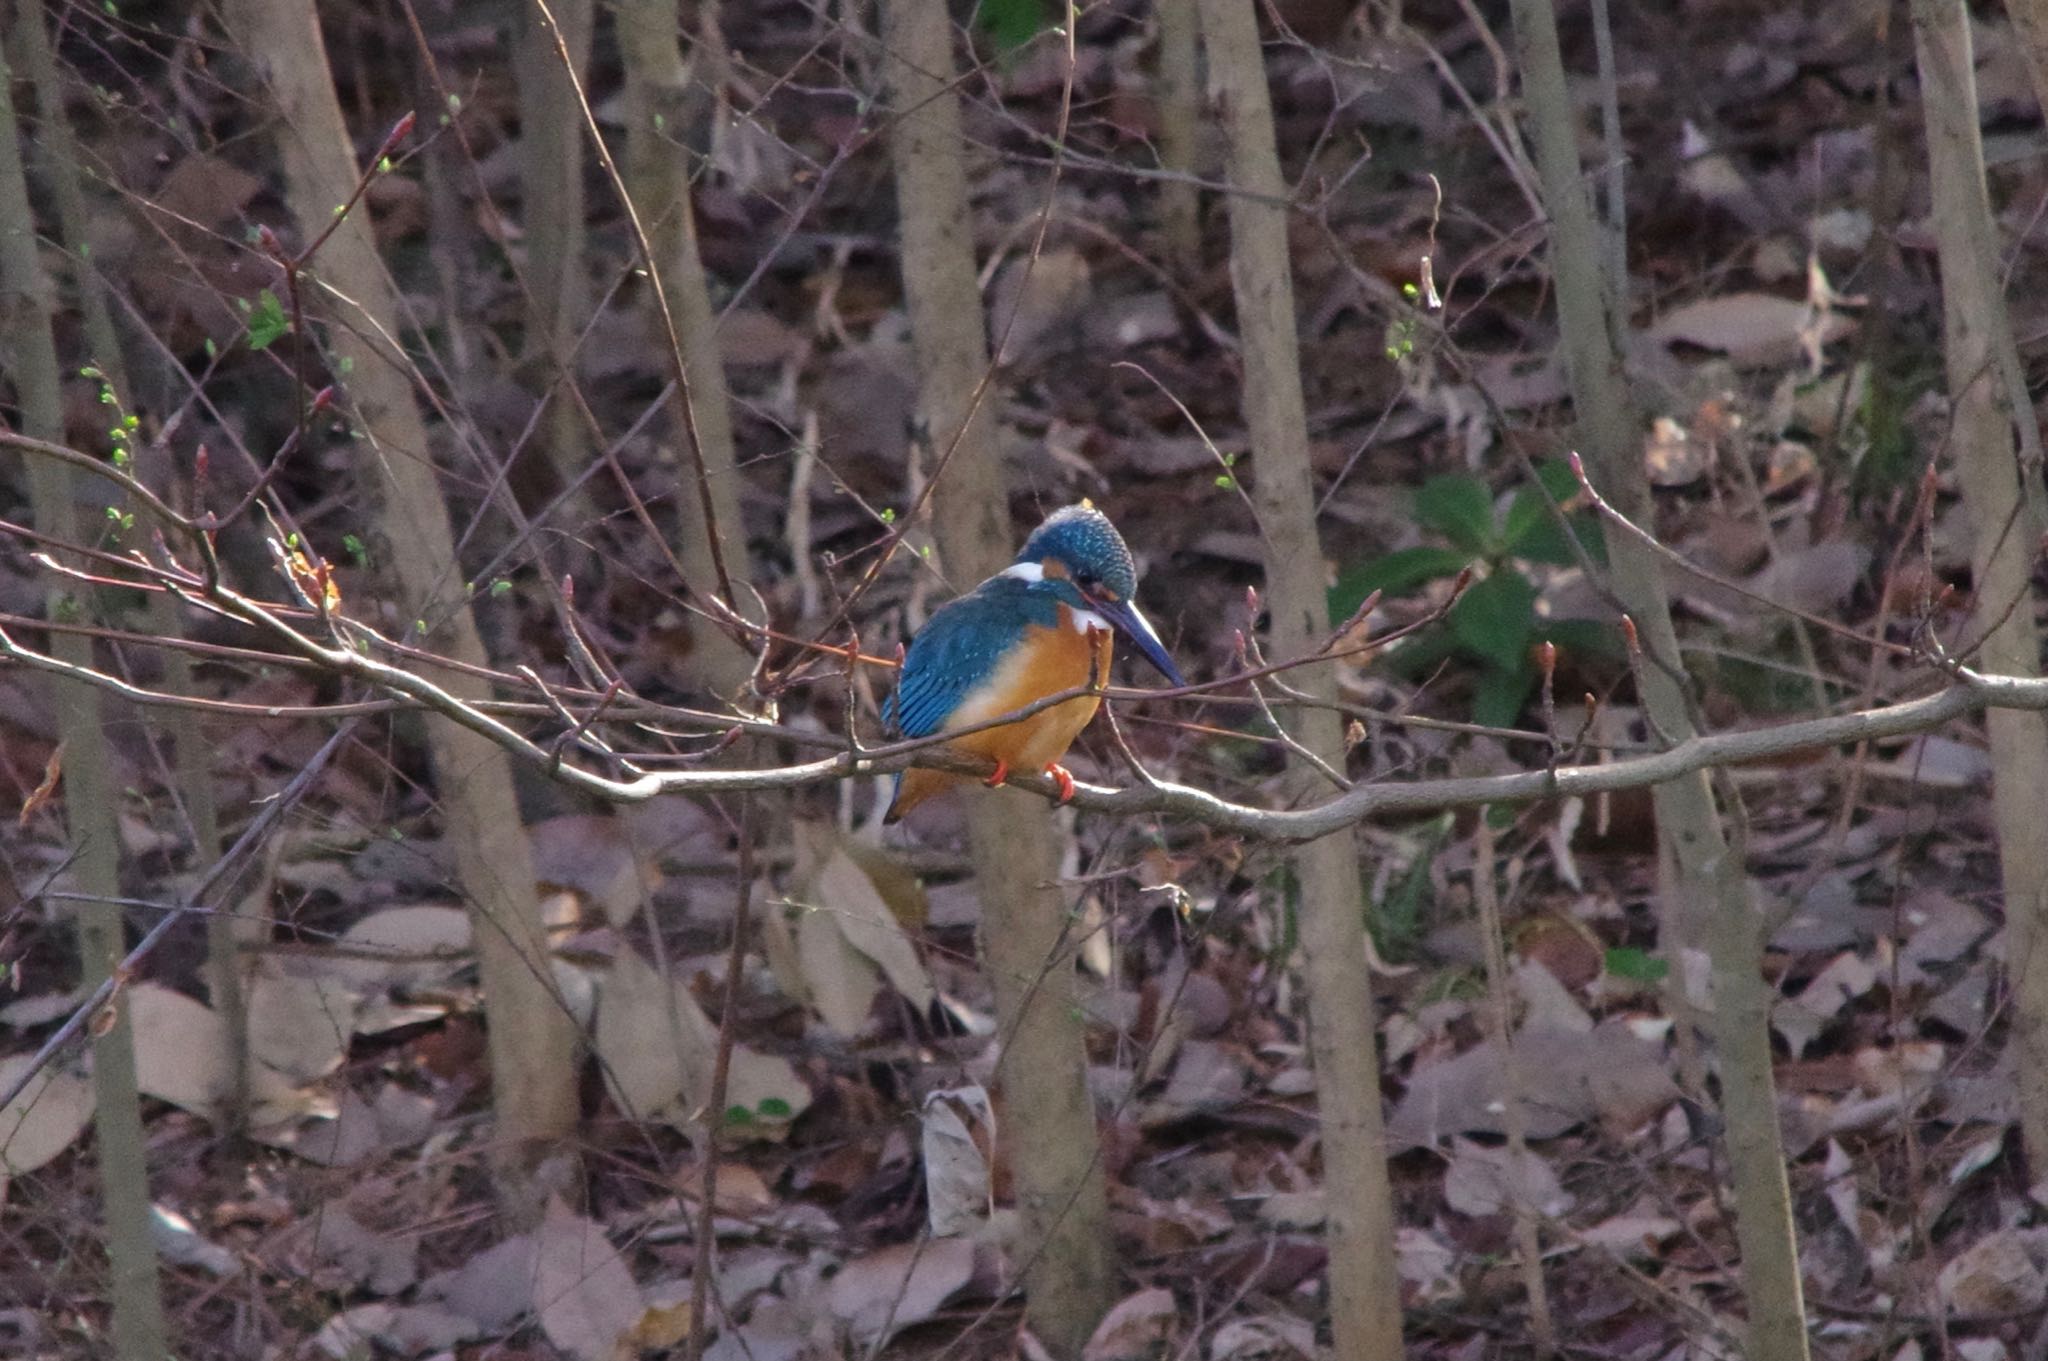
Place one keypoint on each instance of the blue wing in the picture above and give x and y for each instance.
(959, 648)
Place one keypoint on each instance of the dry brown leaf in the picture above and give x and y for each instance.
(593, 854)
(958, 1132)
(1750, 328)
(1137, 1328)
(403, 1329)
(667, 1321)
(1207, 1076)
(842, 895)
(893, 1288)
(659, 1048)
(582, 1289)
(181, 1049)
(1608, 1073)
(1426, 1264)
(44, 1007)
(494, 1288)
(1637, 1232)
(1814, 579)
(300, 1022)
(383, 1263)
(42, 1122)
(1993, 1277)
(53, 771)
(839, 982)
(402, 948)
(1487, 1180)
(1269, 1337)
(650, 1056)
(1037, 299)
(1801, 1019)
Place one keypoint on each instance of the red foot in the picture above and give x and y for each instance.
(1064, 779)
(1002, 774)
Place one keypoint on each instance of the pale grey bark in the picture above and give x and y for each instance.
(225, 932)
(532, 1036)
(1180, 124)
(657, 174)
(1365, 1291)
(2000, 491)
(551, 212)
(91, 794)
(1070, 1279)
(1706, 892)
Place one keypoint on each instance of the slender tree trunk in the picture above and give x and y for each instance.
(551, 210)
(1998, 489)
(224, 932)
(970, 507)
(657, 173)
(91, 795)
(1070, 1278)
(1365, 1299)
(1709, 896)
(2030, 23)
(532, 1036)
(1180, 103)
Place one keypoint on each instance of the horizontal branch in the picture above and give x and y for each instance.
(1969, 692)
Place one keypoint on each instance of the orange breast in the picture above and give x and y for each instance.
(1051, 660)
(1048, 661)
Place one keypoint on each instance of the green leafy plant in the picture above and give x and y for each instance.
(267, 321)
(1397, 920)
(1494, 624)
(1010, 24)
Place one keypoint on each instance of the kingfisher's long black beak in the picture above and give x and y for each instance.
(1131, 624)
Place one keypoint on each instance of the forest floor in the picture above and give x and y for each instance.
(1784, 327)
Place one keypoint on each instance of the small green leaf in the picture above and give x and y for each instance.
(774, 1108)
(1495, 617)
(1499, 695)
(1397, 573)
(1012, 23)
(1459, 508)
(267, 321)
(1638, 966)
(738, 1115)
(1587, 637)
(501, 587)
(1528, 512)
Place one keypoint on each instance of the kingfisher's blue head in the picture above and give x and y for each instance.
(1078, 554)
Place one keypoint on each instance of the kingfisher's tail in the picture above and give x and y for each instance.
(913, 787)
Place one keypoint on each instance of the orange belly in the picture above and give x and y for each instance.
(1051, 660)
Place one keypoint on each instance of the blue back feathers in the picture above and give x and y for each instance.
(961, 646)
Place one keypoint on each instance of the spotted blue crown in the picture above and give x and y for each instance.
(1081, 539)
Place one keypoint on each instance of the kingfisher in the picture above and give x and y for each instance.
(1044, 624)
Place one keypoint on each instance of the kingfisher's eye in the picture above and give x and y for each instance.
(1087, 581)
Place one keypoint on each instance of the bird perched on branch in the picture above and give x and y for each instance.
(1044, 624)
